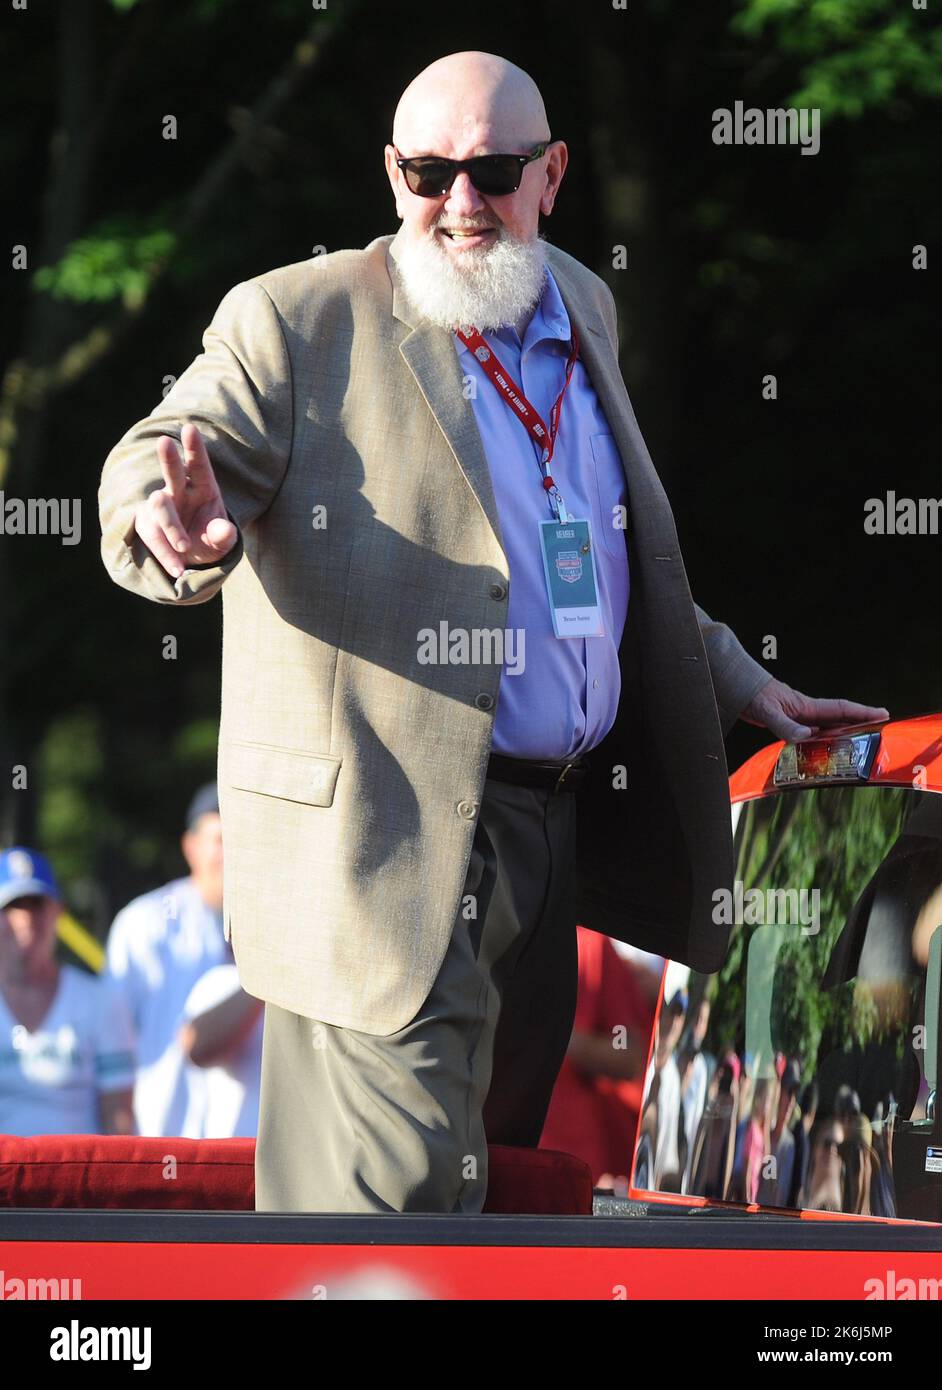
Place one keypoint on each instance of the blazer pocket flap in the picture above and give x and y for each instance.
(306, 777)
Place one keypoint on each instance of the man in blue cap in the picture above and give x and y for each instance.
(159, 946)
(66, 1048)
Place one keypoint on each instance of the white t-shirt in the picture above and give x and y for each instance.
(224, 1098)
(158, 947)
(50, 1079)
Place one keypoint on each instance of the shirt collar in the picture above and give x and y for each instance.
(550, 320)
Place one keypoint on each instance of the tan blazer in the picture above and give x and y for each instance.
(350, 775)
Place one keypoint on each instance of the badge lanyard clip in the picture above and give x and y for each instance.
(557, 504)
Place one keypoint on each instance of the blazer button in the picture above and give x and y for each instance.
(498, 591)
(467, 809)
(484, 701)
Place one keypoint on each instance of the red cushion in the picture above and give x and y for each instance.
(137, 1173)
(537, 1182)
(103, 1170)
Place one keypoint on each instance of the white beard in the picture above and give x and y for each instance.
(492, 286)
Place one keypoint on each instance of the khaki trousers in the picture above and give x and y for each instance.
(352, 1122)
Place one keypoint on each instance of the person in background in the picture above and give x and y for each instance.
(66, 1042)
(594, 1109)
(861, 1164)
(159, 946)
(222, 1040)
(696, 1068)
(715, 1145)
(809, 1113)
(648, 968)
(846, 1105)
(754, 1140)
(663, 1077)
(824, 1185)
(777, 1190)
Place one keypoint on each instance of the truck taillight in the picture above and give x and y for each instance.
(827, 758)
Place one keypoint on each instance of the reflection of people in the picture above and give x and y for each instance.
(824, 1187)
(776, 1189)
(711, 1164)
(158, 948)
(809, 1112)
(665, 1120)
(351, 492)
(695, 1067)
(66, 1059)
(754, 1140)
(867, 1057)
(594, 1109)
(860, 1165)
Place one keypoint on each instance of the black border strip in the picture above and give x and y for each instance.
(667, 1232)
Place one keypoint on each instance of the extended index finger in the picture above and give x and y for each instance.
(199, 469)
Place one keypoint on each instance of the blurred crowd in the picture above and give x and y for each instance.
(163, 1041)
(712, 1127)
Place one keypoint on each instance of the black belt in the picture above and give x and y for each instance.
(557, 777)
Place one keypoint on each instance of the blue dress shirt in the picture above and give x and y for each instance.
(564, 700)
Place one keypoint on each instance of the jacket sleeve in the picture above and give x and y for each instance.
(238, 392)
(736, 676)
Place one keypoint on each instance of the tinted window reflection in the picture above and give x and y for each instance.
(803, 1073)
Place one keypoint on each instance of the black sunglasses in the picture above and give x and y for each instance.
(431, 175)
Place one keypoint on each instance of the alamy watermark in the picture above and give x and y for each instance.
(42, 516)
(476, 646)
(78, 1343)
(783, 907)
(750, 125)
(902, 516)
(13, 1288)
(902, 1288)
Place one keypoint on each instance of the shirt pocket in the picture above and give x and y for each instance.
(612, 491)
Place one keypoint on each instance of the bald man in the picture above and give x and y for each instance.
(416, 472)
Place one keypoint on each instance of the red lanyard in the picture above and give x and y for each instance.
(527, 414)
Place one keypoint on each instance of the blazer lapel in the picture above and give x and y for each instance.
(430, 354)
